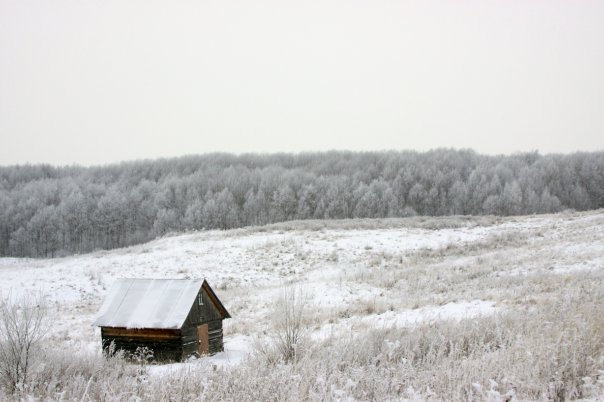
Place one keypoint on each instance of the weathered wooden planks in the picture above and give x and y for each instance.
(147, 333)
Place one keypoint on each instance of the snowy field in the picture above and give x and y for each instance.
(398, 274)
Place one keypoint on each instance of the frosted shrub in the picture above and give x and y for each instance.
(290, 324)
(22, 327)
(142, 356)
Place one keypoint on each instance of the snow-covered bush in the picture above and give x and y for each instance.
(22, 327)
(285, 342)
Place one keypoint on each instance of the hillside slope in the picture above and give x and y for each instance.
(354, 276)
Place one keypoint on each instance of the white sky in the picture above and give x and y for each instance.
(93, 82)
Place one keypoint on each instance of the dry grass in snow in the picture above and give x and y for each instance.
(451, 308)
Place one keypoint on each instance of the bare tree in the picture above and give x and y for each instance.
(22, 327)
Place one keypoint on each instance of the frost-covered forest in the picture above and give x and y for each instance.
(50, 211)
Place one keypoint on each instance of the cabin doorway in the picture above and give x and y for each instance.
(202, 339)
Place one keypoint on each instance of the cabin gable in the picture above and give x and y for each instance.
(203, 310)
(206, 309)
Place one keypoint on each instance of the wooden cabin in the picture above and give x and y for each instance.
(175, 318)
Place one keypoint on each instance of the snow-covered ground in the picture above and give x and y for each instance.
(351, 279)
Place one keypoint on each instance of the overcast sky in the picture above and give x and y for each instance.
(93, 82)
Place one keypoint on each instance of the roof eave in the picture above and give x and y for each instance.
(225, 314)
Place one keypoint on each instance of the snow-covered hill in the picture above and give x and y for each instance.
(395, 274)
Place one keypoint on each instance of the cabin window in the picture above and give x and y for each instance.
(200, 299)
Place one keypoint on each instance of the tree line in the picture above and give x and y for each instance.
(49, 211)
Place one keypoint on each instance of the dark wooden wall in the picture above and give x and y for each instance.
(215, 335)
(207, 313)
(189, 338)
(166, 344)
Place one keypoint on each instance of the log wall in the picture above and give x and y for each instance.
(166, 344)
(190, 341)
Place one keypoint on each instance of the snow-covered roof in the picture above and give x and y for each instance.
(148, 303)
